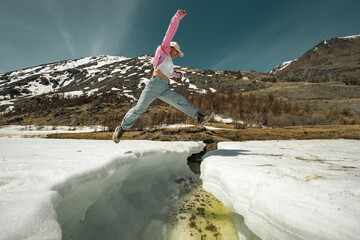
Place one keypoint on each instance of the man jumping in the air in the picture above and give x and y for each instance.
(158, 86)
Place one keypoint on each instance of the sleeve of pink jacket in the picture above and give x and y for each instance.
(174, 23)
(165, 46)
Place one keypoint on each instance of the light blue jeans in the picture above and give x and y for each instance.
(157, 88)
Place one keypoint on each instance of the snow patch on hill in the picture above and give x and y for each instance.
(281, 67)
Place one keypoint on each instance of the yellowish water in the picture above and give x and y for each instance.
(199, 215)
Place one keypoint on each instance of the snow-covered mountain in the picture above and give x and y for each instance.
(335, 59)
(73, 77)
(120, 75)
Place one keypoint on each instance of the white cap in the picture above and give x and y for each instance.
(177, 47)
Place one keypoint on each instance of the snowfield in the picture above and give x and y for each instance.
(86, 189)
(21, 130)
(92, 189)
(308, 189)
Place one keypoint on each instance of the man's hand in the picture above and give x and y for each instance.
(182, 11)
(176, 75)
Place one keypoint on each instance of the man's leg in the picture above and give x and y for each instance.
(146, 98)
(148, 95)
(180, 102)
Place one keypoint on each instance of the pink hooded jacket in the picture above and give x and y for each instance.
(165, 46)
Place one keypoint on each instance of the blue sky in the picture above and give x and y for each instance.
(219, 35)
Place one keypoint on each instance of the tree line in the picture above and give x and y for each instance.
(108, 109)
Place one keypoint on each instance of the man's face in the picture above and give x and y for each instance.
(173, 53)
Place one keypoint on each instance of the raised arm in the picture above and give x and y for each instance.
(174, 23)
(165, 46)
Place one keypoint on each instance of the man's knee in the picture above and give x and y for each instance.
(139, 109)
(180, 100)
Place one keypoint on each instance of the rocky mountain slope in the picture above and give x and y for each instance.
(123, 76)
(336, 59)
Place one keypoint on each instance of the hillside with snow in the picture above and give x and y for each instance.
(103, 74)
(281, 67)
(335, 59)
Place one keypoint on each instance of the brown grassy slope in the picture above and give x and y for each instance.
(212, 137)
(320, 97)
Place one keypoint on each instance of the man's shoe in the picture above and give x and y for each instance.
(119, 131)
(203, 119)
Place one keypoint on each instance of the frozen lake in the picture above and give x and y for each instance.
(86, 189)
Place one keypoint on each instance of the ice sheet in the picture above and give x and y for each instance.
(306, 189)
(44, 181)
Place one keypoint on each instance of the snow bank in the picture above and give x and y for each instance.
(182, 125)
(218, 118)
(45, 130)
(86, 189)
(288, 189)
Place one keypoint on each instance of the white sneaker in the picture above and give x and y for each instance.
(203, 119)
(119, 131)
